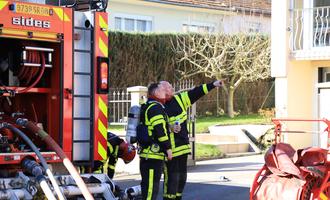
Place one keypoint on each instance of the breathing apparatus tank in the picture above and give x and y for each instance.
(132, 122)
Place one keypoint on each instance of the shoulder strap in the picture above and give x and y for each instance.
(156, 103)
(145, 113)
(151, 103)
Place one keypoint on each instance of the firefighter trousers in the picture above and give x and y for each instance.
(99, 167)
(175, 177)
(151, 171)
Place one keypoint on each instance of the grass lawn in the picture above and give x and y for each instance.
(202, 123)
(206, 151)
(116, 128)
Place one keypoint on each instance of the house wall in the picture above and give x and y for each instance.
(296, 88)
(303, 101)
(300, 90)
(169, 18)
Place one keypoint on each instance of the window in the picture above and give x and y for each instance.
(321, 3)
(198, 27)
(327, 77)
(324, 74)
(129, 24)
(125, 22)
(141, 25)
(118, 23)
(320, 23)
(254, 27)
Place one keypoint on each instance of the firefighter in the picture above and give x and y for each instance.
(117, 148)
(175, 171)
(153, 153)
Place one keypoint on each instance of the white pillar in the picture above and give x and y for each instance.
(280, 53)
(279, 38)
(308, 18)
(138, 94)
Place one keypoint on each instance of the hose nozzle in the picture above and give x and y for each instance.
(21, 121)
(32, 167)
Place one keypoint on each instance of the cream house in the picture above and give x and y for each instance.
(227, 16)
(301, 66)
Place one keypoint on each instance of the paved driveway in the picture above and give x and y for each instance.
(204, 179)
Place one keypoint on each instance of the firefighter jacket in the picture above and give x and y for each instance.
(176, 109)
(113, 152)
(154, 117)
(113, 149)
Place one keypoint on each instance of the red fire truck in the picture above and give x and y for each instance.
(53, 96)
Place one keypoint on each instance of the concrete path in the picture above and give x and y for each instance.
(204, 179)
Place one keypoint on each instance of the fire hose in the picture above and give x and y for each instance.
(44, 186)
(27, 73)
(52, 144)
(35, 169)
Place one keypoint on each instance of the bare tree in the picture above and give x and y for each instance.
(234, 58)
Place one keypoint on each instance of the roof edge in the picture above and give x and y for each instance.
(232, 9)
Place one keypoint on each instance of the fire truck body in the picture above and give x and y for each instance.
(64, 98)
(53, 72)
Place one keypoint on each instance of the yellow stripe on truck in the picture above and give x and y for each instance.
(103, 47)
(103, 25)
(3, 4)
(103, 107)
(25, 33)
(63, 17)
(102, 151)
(323, 196)
(102, 128)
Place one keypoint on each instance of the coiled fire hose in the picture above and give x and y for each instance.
(52, 144)
(43, 184)
(29, 74)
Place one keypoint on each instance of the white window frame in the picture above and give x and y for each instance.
(200, 24)
(135, 18)
(310, 4)
(254, 26)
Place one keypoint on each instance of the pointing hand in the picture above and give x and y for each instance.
(218, 83)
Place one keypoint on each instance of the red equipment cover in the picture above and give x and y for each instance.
(289, 168)
(310, 156)
(279, 160)
(274, 187)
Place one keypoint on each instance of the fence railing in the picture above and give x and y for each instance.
(183, 85)
(310, 28)
(119, 104)
(120, 101)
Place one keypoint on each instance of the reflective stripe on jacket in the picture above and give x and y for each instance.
(154, 117)
(176, 109)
